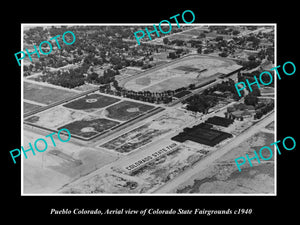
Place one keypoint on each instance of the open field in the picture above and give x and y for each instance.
(198, 69)
(193, 32)
(54, 117)
(187, 177)
(47, 171)
(44, 94)
(89, 126)
(91, 102)
(271, 126)
(127, 110)
(89, 116)
(187, 155)
(184, 37)
(267, 91)
(223, 176)
(144, 180)
(29, 107)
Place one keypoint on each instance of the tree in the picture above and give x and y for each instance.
(179, 51)
(38, 65)
(166, 41)
(200, 103)
(202, 35)
(115, 60)
(235, 32)
(255, 90)
(93, 77)
(219, 38)
(223, 54)
(199, 49)
(172, 55)
(178, 42)
(192, 86)
(251, 99)
(251, 58)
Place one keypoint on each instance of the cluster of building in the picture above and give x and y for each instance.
(204, 133)
(240, 111)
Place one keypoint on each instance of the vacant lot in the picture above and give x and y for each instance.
(223, 176)
(48, 171)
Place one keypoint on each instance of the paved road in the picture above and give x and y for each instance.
(201, 165)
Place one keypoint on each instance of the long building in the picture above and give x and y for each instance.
(202, 134)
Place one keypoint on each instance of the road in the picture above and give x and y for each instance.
(203, 164)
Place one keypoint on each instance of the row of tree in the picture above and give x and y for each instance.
(200, 103)
(68, 79)
(146, 96)
(224, 86)
(264, 110)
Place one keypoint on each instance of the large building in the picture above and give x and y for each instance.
(203, 134)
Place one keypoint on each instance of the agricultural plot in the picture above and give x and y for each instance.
(44, 94)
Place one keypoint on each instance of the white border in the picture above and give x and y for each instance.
(147, 24)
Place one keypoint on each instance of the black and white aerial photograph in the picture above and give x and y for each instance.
(169, 110)
(148, 115)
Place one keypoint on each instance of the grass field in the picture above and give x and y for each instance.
(88, 116)
(90, 102)
(89, 127)
(29, 107)
(127, 110)
(54, 117)
(44, 94)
